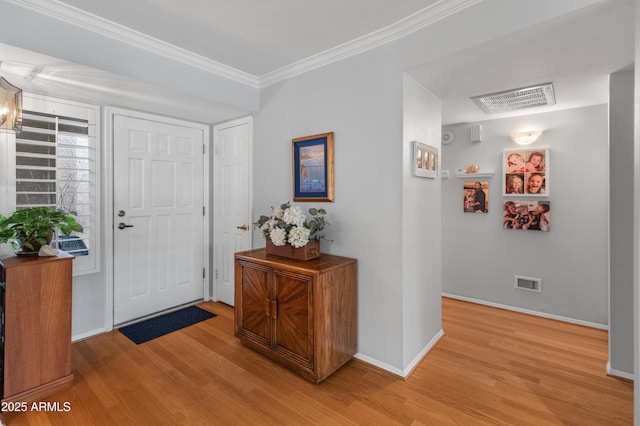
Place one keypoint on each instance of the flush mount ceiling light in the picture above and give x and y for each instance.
(526, 138)
(10, 106)
(516, 99)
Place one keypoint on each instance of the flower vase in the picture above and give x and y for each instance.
(310, 251)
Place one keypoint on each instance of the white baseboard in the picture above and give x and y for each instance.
(618, 373)
(82, 336)
(527, 311)
(379, 364)
(432, 343)
(407, 370)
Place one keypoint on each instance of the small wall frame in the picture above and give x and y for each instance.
(425, 160)
(525, 172)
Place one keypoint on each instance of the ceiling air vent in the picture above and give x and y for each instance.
(516, 99)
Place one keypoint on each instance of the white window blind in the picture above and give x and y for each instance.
(56, 166)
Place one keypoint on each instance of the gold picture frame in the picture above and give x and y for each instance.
(312, 158)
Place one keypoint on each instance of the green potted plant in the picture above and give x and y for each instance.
(29, 229)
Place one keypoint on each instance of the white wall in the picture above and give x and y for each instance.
(636, 222)
(361, 102)
(621, 221)
(480, 258)
(421, 233)
(377, 203)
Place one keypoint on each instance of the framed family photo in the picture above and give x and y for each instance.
(425, 160)
(476, 197)
(527, 215)
(313, 168)
(526, 172)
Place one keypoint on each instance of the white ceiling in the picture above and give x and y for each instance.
(576, 52)
(256, 38)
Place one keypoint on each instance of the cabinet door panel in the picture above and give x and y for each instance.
(293, 331)
(37, 326)
(254, 302)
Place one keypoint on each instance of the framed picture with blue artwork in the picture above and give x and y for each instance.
(313, 168)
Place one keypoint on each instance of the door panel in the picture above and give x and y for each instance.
(159, 197)
(293, 331)
(255, 296)
(232, 228)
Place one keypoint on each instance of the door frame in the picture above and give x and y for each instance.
(108, 206)
(248, 120)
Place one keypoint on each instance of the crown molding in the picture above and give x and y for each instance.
(412, 23)
(88, 21)
(395, 31)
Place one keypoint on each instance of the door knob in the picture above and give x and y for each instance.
(243, 227)
(122, 226)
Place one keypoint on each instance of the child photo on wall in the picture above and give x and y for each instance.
(536, 183)
(527, 215)
(526, 172)
(515, 183)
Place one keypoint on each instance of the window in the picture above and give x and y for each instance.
(56, 165)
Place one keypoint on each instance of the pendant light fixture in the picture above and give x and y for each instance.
(10, 107)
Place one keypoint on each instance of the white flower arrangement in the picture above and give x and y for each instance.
(289, 224)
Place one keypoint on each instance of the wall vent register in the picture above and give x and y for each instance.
(528, 283)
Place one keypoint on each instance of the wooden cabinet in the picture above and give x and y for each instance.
(302, 314)
(36, 327)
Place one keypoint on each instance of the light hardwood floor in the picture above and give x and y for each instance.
(491, 367)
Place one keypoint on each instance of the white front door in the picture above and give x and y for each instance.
(158, 235)
(232, 221)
